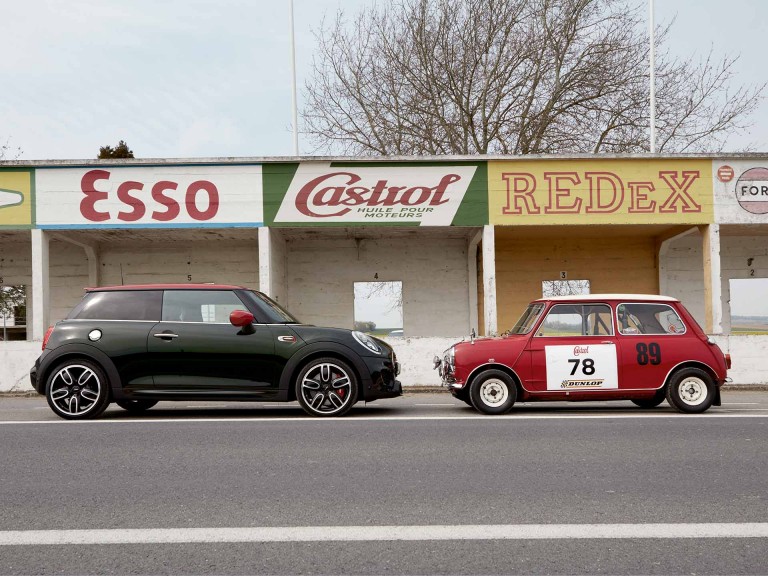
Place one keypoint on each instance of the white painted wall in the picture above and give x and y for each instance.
(16, 359)
(222, 262)
(321, 273)
(415, 356)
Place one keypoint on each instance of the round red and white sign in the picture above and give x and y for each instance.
(752, 190)
(725, 173)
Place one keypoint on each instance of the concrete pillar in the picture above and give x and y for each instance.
(265, 261)
(472, 280)
(489, 279)
(40, 284)
(713, 301)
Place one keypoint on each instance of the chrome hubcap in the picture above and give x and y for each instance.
(75, 389)
(326, 388)
(493, 392)
(692, 391)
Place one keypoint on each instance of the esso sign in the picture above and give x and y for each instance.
(161, 201)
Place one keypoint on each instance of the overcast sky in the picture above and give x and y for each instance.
(203, 78)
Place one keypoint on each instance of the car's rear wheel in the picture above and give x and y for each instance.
(136, 405)
(326, 387)
(650, 402)
(77, 389)
(691, 390)
(493, 392)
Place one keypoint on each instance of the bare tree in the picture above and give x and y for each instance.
(8, 152)
(512, 77)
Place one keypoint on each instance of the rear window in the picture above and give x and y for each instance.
(119, 305)
(648, 319)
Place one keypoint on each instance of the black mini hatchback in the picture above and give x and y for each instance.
(137, 345)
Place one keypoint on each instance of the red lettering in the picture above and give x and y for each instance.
(520, 189)
(123, 194)
(88, 204)
(679, 191)
(191, 200)
(442, 187)
(557, 194)
(172, 206)
(597, 202)
(303, 197)
(640, 202)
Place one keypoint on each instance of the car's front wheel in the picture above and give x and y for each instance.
(77, 389)
(691, 390)
(493, 392)
(136, 406)
(326, 387)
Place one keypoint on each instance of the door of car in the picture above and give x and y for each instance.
(652, 338)
(574, 349)
(195, 348)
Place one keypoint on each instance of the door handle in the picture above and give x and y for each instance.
(164, 335)
(607, 342)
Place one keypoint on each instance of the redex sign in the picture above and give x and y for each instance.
(319, 193)
(149, 197)
(621, 191)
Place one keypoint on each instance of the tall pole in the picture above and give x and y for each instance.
(293, 85)
(652, 40)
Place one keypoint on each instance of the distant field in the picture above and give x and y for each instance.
(749, 324)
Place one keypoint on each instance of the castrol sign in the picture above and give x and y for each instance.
(321, 192)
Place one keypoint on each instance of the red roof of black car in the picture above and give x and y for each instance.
(167, 287)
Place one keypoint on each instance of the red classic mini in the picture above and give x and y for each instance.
(597, 347)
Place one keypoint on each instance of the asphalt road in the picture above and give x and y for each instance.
(398, 468)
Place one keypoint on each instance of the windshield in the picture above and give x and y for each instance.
(272, 310)
(527, 320)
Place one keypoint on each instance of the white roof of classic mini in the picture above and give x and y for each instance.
(593, 297)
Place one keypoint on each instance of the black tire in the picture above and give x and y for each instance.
(691, 390)
(651, 402)
(326, 387)
(493, 392)
(464, 397)
(77, 389)
(136, 406)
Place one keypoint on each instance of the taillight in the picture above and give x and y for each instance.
(728, 361)
(47, 335)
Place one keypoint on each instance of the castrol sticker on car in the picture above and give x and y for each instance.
(582, 367)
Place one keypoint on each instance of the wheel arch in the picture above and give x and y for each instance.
(74, 351)
(323, 350)
(495, 366)
(701, 366)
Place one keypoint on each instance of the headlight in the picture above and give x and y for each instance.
(366, 342)
(450, 357)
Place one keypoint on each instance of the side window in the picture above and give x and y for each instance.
(648, 319)
(562, 320)
(119, 305)
(208, 306)
(577, 320)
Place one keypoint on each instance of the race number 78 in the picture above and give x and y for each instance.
(587, 366)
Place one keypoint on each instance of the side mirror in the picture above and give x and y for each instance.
(240, 318)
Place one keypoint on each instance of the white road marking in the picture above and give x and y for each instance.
(439, 404)
(352, 419)
(383, 533)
